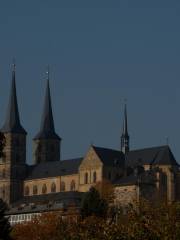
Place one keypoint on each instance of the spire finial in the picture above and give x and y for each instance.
(167, 140)
(47, 72)
(13, 64)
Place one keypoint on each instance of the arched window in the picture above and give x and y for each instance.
(73, 185)
(53, 187)
(26, 191)
(35, 189)
(63, 187)
(44, 189)
(3, 173)
(94, 177)
(86, 178)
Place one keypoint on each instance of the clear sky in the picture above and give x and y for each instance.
(99, 53)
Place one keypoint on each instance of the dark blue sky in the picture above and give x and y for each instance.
(99, 52)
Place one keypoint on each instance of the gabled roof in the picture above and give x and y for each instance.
(110, 157)
(54, 169)
(47, 130)
(161, 155)
(12, 123)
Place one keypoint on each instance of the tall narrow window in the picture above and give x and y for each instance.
(35, 190)
(86, 178)
(73, 185)
(63, 187)
(94, 177)
(44, 189)
(26, 191)
(53, 187)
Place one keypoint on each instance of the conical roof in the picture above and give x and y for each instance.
(47, 129)
(125, 123)
(12, 123)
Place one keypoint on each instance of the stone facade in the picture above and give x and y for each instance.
(139, 173)
(13, 167)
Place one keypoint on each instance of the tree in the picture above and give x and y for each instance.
(2, 144)
(106, 190)
(5, 228)
(93, 205)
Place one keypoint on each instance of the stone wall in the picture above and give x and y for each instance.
(125, 195)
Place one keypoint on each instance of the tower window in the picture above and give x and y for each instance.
(26, 192)
(35, 189)
(73, 185)
(109, 175)
(53, 187)
(63, 187)
(94, 177)
(86, 178)
(44, 189)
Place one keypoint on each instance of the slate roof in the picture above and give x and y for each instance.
(54, 169)
(12, 123)
(47, 130)
(156, 155)
(125, 181)
(65, 197)
(146, 177)
(110, 157)
(41, 202)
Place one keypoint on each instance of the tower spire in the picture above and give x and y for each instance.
(47, 130)
(12, 123)
(125, 135)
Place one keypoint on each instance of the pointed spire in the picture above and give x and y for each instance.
(125, 124)
(12, 123)
(47, 129)
(125, 135)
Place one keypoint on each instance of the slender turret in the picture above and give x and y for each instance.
(125, 135)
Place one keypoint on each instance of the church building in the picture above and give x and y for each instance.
(52, 183)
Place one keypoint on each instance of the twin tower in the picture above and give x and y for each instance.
(46, 142)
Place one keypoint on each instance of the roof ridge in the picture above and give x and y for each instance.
(146, 148)
(107, 148)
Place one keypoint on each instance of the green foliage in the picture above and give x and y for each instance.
(93, 205)
(5, 228)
